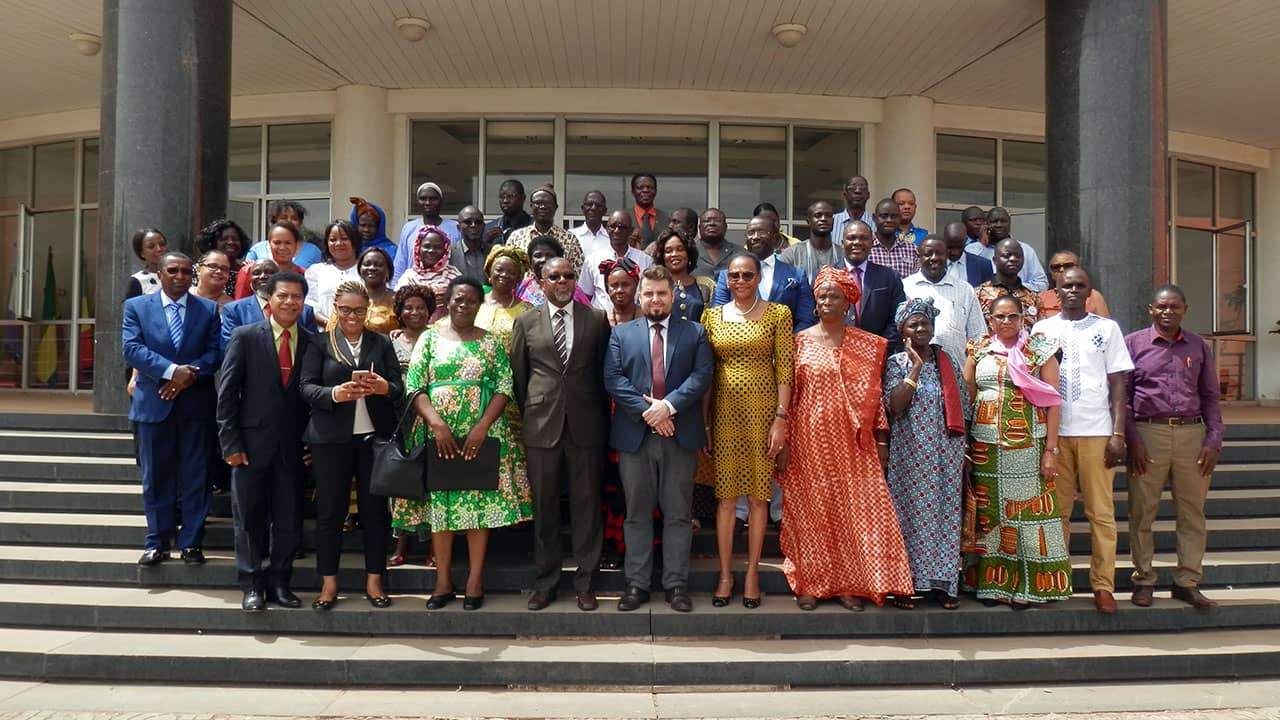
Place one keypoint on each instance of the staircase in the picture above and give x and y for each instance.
(76, 606)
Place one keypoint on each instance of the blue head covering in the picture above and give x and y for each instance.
(360, 206)
(915, 306)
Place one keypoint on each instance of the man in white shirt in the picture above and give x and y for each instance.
(960, 318)
(592, 282)
(997, 228)
(591, 234)
(1092, 378)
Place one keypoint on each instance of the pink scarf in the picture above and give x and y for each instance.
(1036, 391)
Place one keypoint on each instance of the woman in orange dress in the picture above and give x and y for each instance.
(840, 534)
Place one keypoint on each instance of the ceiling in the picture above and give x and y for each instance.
(967, 52)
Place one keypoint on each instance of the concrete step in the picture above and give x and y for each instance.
(68, 421)
(51, 468)
(509, 568)
(344, 660)
(1253, 450)
(505, 615)
(67, 443)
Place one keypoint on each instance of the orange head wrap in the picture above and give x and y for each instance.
(841, 280)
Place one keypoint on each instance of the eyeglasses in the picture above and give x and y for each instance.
(471, 221)
(1055, 267)
(216, 268)
(1007, 318)
(557, 277)
(616, 226)
(346, 311)
(746, 276)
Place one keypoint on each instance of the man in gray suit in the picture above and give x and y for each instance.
(557, 352)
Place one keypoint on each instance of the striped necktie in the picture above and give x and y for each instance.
(175, 325)
(559, 337)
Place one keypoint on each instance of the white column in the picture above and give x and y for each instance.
(364, 152)
(905, 155)
(1266, 261)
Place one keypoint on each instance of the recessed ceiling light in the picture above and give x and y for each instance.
(413, 29)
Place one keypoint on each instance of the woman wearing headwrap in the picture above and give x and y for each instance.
(371, 223)
(840, 535)
(504, 267)
(430, 199)
(431, 266)
(1015, 553)
(927, 402)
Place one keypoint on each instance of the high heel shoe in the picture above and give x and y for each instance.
(750, 603)
(439, 600)
(378, 601)
(723, 600)
(323, 605)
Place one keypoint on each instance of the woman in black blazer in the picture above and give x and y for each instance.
(351, 380)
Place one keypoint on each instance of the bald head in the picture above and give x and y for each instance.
(955, 235)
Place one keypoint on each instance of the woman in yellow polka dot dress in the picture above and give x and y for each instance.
(752, 341)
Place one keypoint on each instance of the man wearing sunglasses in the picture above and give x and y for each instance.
(469, 253)
(1050, 305)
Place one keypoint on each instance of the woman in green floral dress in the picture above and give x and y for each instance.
(467, 379)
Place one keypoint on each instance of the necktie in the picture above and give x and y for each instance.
(175, 325)
(659, 385)
(286, 358)
(266, 311)
(648, 225)
(559, 336)
(857, 307)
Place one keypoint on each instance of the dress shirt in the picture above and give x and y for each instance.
(592, 282)
(707, 268)
(901, 258)
(277, 330)
(568, 323)
(957, 271)
(1091, 349)
(470, 262)
(363, 423)
(665, 332)
(639, 214)
(842, 218)
(766, 276)
(591, 242)
(165, 302)
(861, 279)
(1032, 272)
(1051, 304)
(1173, 379)
(404, 259)
(960, 316)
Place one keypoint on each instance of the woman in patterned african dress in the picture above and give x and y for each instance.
(1012, 526)
(927, 400)
(840, 536)
(467, 379)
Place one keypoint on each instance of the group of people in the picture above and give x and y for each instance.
(926, 400)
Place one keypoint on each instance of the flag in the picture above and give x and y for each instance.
(47, 351)
(86, 331)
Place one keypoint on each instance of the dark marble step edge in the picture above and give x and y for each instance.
(71, 422)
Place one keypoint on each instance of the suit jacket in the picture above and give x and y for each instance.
(247, 311)
(256, 414)
(790, 287)
(660, 222)
(331, 422)
(554, 395)
(881, 294)
(977, 269)
(148, 348)
(628, 374)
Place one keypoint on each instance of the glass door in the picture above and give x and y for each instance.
(1232, 313)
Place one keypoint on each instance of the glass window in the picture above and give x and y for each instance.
(244, 165)
(298, 158)
(944, 217)
(604, 156)
(55, 175)
(1235, 196)
(521, 150)
(1195, 194)
(1193, 250)
(966, 170)
(823, 160)
(15, 182)
(753, 169)
(89, 179)
(1025, 174)
(447, 154)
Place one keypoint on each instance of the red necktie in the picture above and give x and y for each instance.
(266, 311)
(286, 358)
(857, 307)
(659, 385)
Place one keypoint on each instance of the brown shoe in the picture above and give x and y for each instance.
(587, 601)
(541, 598)
(1193, 597)
(1104, 601)
(1142, 595)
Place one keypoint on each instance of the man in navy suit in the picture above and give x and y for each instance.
(261, 417)
(881, 287)
(964, 266)
(780, 283)
(171, 338)
(252, 309)
(656, 370)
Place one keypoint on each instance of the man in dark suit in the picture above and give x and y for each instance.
(171, 339)
(557, 354)
(657, 369)
(649, 220)
(261, 417)
(252, 309)
(786, 284)
(881, 287)
(965, 266)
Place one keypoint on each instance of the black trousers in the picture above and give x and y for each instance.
(334, 465)
(580, 468)
(266, 502)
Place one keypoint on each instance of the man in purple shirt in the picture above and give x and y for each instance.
(1174, 434)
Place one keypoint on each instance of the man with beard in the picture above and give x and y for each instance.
(812, 254)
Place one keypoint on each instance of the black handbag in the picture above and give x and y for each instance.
(399, 473)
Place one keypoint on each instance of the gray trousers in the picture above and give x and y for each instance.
(660, 473)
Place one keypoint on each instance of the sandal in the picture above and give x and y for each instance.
(395, 561)
(903, 602)
(723, 600)
(849, 602)
(807, 602)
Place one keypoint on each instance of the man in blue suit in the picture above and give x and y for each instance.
(964, 266)
(657, 369)
(780, 283)
(253, 309)
(881, 287)
(171, 339)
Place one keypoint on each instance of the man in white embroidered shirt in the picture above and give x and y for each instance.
(960, 319)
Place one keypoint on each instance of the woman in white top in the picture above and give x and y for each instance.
(150, 245)
(341, 254)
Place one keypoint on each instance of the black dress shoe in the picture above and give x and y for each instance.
(283, 597)
(472, 602)
(153, 557)
(633, 598)
(587, 600)
(192, 556)
(253, 601)
(679, 600)
(439, 600)
(541, 598)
